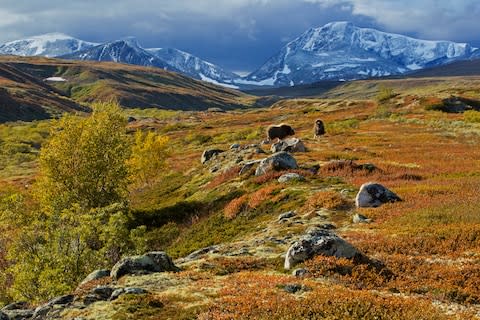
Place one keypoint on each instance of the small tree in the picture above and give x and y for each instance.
(84, 162)
(149, 153)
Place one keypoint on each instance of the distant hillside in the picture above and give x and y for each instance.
(460, 68)
(37, 88)
(25, 97)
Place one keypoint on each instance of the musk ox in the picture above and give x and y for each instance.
(279, 132)
(318, 128)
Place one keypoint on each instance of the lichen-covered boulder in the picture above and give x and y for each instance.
(320, 242)
(289, 145)
(290, 176)
(276, 162)
(95, 275)
(157, 261)
(374, 195)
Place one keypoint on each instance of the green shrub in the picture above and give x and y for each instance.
(472, 116)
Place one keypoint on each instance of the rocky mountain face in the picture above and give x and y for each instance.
(342, 51)
(337, 51)
(195, 67)
(47, 45)
(124, 51)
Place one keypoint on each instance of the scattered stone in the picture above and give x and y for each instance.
(319, 242)
(247, 166)
(103, 292)
(360, 218)
(130, 290)
(15, 306)
(195, 255)
(91, 298)
(292, 288)
(286, 215)
(235, 146)
(95, 275)
(291, 176)
(374, 195)
(289, 145)
(148, 263)
(208, 154)
(19, 314)
(162, 260)
(278, 161)
(300, 273)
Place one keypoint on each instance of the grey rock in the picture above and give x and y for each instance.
(360, 218)
(235, 146)
(19, 314)
(292, 288)
(300, 273)
(162, 260)
(278, 161)
(200, 252)
(103, 292)
(95, 275)
(291, 176)
(248, 165)
(129, 290)
(41, 311)
(91, 298)
(286, 215)
(15, 306)
(374, 195)
(62, 300)
(319, 242)
(131, 119)
(289, 145)
(151, 262)
(208, 154)
(328, 226)
(3, 316)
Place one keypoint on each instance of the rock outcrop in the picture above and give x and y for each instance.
(374, 195)
(157, 261)
(276, 162)
(320, 242)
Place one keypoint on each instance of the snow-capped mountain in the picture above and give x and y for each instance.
(194, 66)
(340, 50)
(47, 45)
(126, 50)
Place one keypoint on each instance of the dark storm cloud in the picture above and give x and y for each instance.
(237, 34)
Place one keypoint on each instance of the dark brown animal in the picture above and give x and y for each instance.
(279, 132)
(318, 128)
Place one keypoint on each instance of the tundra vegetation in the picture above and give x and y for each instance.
(67, 209)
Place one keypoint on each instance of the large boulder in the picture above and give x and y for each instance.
(320, 242)
(95, 275)
(374, 195)
(276, 162)
(289, 145)
(290, 176)
(157, 261)
(208, 154)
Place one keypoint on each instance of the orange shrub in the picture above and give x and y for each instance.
(330, 200)
(234, 207)
(223, 177)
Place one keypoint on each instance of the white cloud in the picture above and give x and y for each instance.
(433, 19)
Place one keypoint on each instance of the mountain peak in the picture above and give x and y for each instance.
(340, 50)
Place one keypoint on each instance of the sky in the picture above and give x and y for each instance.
(239, 35)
